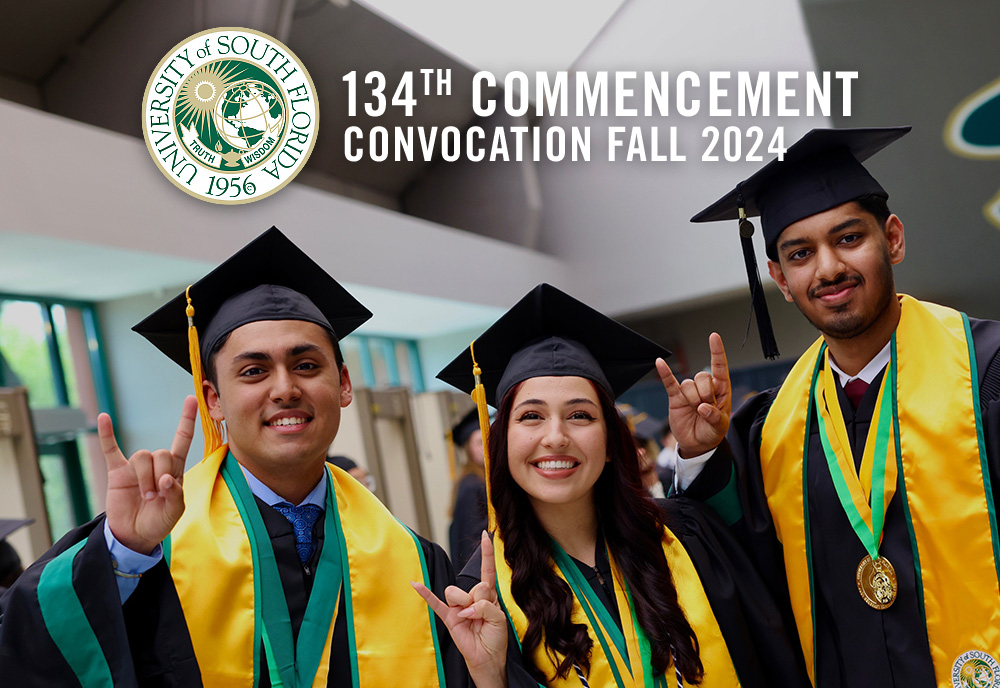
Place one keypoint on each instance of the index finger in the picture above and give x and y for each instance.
(667, 376)
(113, 456)
(185, 428)
(488, 572)
(720, 364)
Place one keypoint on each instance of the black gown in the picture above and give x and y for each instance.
(759, 633)
(855, 644)
(146, 641)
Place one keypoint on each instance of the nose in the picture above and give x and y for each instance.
(284, 387)
(555, 436)
(829, 265)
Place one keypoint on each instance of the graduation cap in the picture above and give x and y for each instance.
(819, 171)
(8, 526)
(268, 279)
(640, 424)
(548, 332)
(463, 429)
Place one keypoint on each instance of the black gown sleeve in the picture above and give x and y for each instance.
(759, 632)
(145, 643)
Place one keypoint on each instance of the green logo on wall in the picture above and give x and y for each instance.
(973, 131)
(230, 115)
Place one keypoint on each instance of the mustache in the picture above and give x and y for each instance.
(825, 287)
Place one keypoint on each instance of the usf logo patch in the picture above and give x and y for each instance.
(230, 115)
(975, 669)
(973, 131)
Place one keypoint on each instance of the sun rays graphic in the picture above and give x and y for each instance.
(199, 93)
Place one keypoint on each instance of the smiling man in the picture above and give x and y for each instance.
(865, 484)
(261, 565)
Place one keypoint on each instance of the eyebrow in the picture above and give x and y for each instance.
(539, 402)
(833, 230)
(262, 356)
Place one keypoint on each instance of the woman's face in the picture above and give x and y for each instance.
(556, 440)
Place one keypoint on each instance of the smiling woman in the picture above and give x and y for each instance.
(600, 584)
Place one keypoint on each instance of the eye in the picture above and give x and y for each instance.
(529, 416)
(252, 372)
(798, 255)
(307, 365)
(850, 238)
(582, 415)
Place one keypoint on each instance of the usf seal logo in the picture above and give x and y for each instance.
(975, 669)
(230, 115)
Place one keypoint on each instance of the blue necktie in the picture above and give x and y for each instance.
(302, 519)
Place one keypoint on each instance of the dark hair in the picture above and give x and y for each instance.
(210, 371)
(633, 530)
(875, 205)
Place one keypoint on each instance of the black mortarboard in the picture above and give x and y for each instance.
(549, 332)
(12, 525)
(463, 429)
(642, 425)
(269, 279)
(819, 171)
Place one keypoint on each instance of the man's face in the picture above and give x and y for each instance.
(280, 392)
(836, 266)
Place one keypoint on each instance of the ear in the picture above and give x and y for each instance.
(895, 239)
(212, 400)
(346, 391)
(774, 268)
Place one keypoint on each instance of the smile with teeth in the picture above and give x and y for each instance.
(555, 464)
(289, 421)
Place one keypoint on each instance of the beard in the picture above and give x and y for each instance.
(850, 320)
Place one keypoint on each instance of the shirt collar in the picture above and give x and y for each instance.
(870, 371)
(270, 497)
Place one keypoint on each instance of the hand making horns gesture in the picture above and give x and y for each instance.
(476, 622)
(145, 496)
(700, 407)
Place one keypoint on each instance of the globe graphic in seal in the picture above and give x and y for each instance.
(247, 112)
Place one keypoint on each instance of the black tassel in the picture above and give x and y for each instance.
(758, 304)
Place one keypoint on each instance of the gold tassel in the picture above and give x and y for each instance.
(211, 428)
(479, 396)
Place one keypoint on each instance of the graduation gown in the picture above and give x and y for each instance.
(856, 645)
(468, 520)
(759, 634)
(146, 640)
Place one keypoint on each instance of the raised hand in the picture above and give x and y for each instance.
(699, 408)
(145, 496)
(476, 622)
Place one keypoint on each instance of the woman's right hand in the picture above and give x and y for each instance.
(700, 407)
(476, 622)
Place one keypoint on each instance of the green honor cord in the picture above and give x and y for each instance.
(289, 665)
(869, 538)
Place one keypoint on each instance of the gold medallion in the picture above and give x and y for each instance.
(877, 582)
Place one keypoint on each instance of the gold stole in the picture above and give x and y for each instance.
(942, 458)
(719, 669)
(211, 565)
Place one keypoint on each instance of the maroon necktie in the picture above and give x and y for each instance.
(855, 389)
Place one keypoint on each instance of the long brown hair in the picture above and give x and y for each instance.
(633, 530)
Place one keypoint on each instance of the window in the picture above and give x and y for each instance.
(383, 362)
(52, 347)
